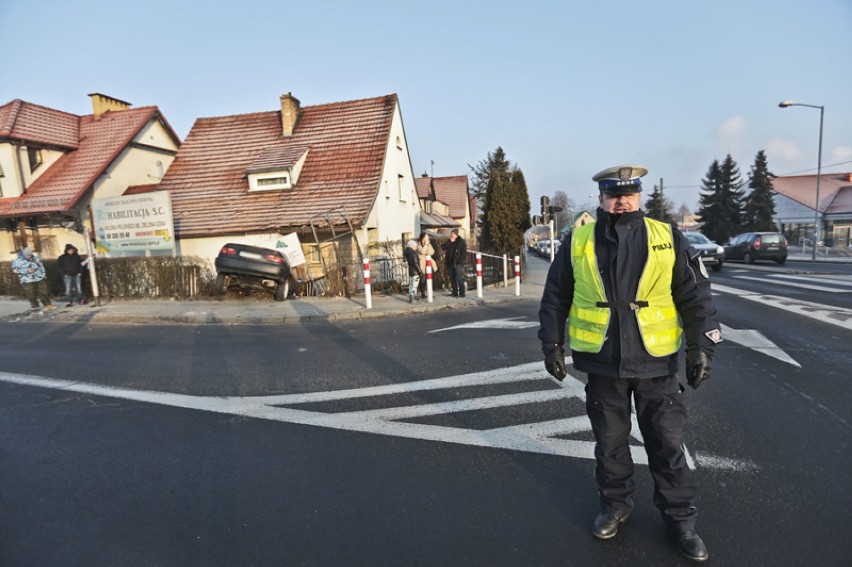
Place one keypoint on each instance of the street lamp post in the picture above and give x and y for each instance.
(785, 104)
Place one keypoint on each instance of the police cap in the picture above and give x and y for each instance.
(621, 179)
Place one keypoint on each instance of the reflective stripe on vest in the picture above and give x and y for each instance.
(655, 311)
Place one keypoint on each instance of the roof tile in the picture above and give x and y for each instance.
(347, 141)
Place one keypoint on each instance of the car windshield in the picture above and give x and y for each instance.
(773, 239)
(697, 238)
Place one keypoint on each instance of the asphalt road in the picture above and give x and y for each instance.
(219, 445)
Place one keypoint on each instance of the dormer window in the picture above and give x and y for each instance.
(270, 181)
(276, 168)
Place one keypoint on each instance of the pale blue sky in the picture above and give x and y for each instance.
(566, 88)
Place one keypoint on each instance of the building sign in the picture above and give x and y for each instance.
(134, 223)
(290, 246)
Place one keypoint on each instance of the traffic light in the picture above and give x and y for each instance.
(545, 204)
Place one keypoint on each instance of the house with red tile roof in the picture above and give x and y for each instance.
(795, 202)
(451, 194)
(53, 163)
(338, 175)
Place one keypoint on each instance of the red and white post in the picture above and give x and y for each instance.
(478, 274)
(368, 288)
(517, 275)
(428, 279)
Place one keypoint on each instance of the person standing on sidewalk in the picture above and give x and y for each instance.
(632, 290)
(424, 249)
(455, 258)
(32, 276)
(71, 267)
(412, 259)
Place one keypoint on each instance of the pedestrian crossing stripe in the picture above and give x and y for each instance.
(546, 437)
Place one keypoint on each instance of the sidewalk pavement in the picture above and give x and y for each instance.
(262, 309)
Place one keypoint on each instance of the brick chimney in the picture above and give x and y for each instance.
(102, 103)
(290, 112)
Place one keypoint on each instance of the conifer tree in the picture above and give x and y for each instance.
(658, 207)
(760, 206)
(733, 198)
(708, 208)
(722, 200)
(506, 203)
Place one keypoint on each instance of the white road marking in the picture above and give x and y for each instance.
(508, 323)
(794, 284)
(755, 340)
(824, 313)
(531, 437)
(825, 280)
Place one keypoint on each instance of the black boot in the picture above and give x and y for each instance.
(691, 546)
(606, 523)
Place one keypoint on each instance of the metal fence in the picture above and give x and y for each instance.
(389, 275)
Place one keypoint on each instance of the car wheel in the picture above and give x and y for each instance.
(282, 290)
(221, 284)
(781, 260)
(748, 259)
(717, 267)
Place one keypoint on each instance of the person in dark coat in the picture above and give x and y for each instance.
(71, 268)
(632, 291)
(455, 258)
(412, 260)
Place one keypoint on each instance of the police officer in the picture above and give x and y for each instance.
(624, 284)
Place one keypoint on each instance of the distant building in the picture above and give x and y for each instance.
(578, 220)
(454, 192)
(795, 199)
(53, 163)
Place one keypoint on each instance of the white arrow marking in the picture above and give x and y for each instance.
(509, 323)
(755, 340)
(540, 437)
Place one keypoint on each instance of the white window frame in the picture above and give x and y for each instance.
(255, 180)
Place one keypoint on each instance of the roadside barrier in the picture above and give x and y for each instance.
(517, 275)
(368, 288)
(429, 279)
(478, 274)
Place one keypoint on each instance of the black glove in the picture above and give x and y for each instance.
(554, 361)
(697, 366)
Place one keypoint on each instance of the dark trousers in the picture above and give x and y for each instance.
(661, 415)
(457, 278)
(35, 291)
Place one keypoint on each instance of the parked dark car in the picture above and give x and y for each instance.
(252, 267)
(712, 254)
(752, 246)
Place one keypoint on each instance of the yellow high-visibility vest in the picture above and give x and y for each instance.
(654, 307)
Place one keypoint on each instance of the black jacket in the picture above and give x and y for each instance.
(621, 248)
(412, 258)
(455, 253)
(70, 264)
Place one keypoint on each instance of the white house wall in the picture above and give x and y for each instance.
(137, 166)
(208, 248)
(396, 210)
(10, 183)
